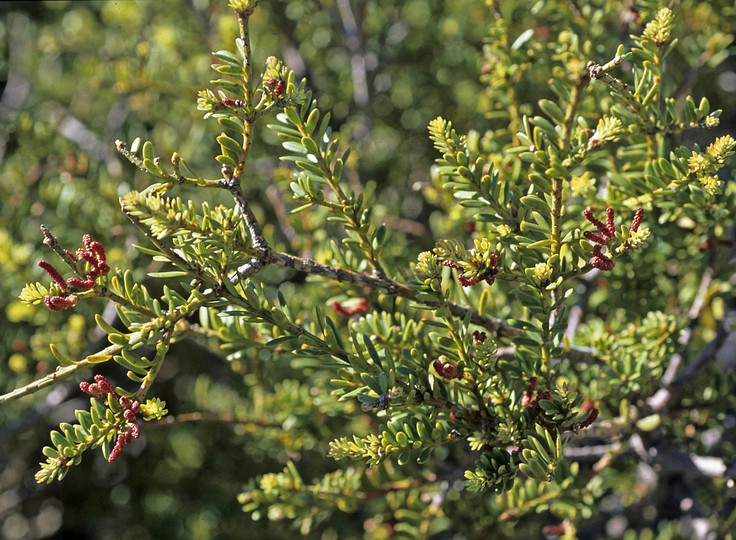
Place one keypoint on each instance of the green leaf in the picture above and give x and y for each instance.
(168, 274)
(552, 110)
(522, 39)
(279, 340)
(310, 146)
(227, 56)
(98, 358)
(59, 440)
(532, 201)
(232, 122)
(230, 147)
(63, 360)
(293, 116)
(148, 151)
(294, 147)
(312, 120)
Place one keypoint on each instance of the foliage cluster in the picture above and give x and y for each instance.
(563, 338)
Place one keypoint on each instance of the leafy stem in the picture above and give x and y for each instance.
(58, 374)
(162, 347)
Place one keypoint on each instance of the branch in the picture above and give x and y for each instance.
(386, 285)
(254, 228)
(672, 462)
(51, 241)
(59, 374)
(666, 397)
(269, 256)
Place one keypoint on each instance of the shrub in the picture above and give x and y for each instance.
(561, 348)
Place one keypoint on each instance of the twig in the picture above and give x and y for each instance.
(673, 387)
(269, 256)
(254, 228)
(665, 398)
(386, 285)
(51, 241)
(59, 374)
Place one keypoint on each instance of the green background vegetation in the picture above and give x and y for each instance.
(78, 75)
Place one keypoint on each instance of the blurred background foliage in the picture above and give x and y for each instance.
(76, 76)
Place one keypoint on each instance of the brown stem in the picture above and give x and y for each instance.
(267, 256)
(385, 285)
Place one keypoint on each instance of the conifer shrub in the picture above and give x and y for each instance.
(559, 348)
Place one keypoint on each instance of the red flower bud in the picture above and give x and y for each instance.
(54, 274)
(123, 439)
(105, 386)
(97, 248)
(79, 284)
(277, 85)
(541, 394)
(465, 281)
(591, 418)
(609, 222)
(594, 237)
(87, 256)
(57, 303)
(360, 307)
(450, 372)
(93, 390)
(602, 263)
(637, 219)
(554, 529)
(605, 230)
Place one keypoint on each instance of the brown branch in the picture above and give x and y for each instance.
(51, 241)
(386, 285)
(254, 228)
(267, 256)
(674, 386)
(666, 397)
